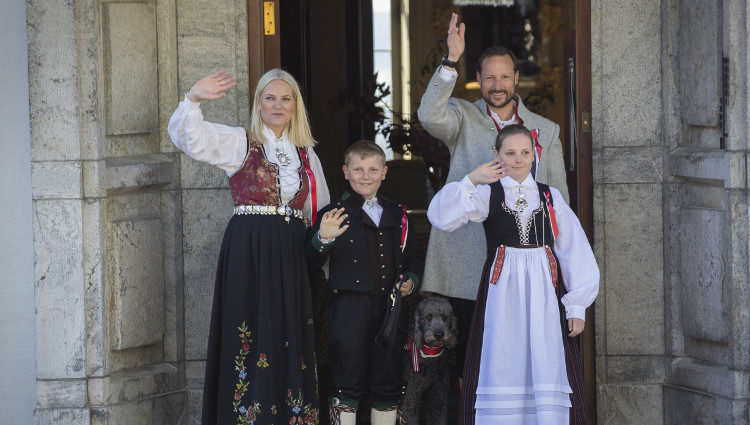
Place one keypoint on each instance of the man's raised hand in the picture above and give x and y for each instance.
(330, 224)
(455, 41)
(212, 87)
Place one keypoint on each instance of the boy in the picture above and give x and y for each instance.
(371, 245)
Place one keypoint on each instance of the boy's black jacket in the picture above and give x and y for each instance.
(344, 272)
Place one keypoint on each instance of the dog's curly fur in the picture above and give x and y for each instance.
(433, 324)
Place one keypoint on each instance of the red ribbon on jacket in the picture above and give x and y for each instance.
(551, 210)
(404, 227)
(311, 179)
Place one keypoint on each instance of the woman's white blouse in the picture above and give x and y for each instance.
(459, 202)
(226, 147)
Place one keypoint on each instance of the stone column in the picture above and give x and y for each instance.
(107, 213)
(706, 199)
(627, 129)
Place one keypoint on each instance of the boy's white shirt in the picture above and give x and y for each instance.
(458, 203)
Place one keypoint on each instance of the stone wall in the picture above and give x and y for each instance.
(17, 386)
(126, 231)
(671, 212)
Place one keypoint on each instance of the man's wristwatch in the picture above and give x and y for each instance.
(446, 62)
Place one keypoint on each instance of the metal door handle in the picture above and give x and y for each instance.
(572, 133)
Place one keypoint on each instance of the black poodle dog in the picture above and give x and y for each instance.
(432, 337)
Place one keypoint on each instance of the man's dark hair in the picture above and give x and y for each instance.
(512, 130)
(496, 51)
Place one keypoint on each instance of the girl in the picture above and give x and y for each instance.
(519, 366)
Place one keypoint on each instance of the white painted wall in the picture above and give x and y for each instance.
(17, 342)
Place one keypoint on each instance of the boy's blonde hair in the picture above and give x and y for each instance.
(299, 126)
(364, 149)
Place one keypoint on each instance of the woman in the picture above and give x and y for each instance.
(260, 365)
(519, 366)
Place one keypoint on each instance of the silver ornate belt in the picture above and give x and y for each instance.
(271, 210)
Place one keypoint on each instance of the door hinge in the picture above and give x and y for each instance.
(269, 18)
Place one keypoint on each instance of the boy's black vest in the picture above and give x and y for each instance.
(500, 227)
(349, 266)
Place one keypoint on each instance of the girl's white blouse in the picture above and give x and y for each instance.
(226, 147)
(459, 202)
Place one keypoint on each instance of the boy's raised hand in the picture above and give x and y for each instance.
(330, 224)
(488, 173)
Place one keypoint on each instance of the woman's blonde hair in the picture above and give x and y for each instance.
(299, 126)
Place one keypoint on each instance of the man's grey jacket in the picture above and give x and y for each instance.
(455, 259)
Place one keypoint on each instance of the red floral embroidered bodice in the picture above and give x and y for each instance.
(255, 183)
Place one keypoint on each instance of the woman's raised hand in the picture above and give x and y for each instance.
(488, 173)
(330, 224)
(456, 41)
(212, 87)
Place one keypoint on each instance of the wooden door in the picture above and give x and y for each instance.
(263, 39)
(578, 158)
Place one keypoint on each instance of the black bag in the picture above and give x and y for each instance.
(386, 335)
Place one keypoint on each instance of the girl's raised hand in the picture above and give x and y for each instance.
(330, 224)
(212, 87)
(488, 173)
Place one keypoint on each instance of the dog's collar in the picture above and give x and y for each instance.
(426, 351)
(423, 351)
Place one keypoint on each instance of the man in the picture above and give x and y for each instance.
(455, 260)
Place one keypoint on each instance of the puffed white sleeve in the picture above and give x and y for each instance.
(216, 144)
(579, 269)
(458, 203)
(323, 196)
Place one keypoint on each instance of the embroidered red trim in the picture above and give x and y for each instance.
(552, 265)
(497, 265)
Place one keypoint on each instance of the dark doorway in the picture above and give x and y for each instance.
(328, 46)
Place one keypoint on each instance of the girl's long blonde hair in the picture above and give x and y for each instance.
(299, 126)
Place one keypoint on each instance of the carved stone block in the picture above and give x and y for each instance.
(703, 275)
(132, 98)
(137, 283)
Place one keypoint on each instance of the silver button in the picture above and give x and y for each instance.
(381, 255)
(355, 260)
(435, 84)
(357, 281)
(383, 266)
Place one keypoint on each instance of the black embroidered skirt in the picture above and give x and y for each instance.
(260, 363)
